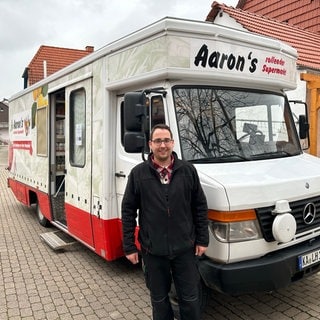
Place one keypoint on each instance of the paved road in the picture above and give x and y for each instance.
(3, 156)
(76, 284)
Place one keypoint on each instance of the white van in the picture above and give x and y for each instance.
(75, 136)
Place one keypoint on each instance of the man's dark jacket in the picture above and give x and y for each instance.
(172, 217)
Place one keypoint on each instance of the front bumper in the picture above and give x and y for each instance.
(271, 272)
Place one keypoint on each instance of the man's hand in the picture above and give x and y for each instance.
(133, 257)
(200, 250)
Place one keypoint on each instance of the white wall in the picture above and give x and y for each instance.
(300, 92)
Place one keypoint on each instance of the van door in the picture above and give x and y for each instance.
(126, 161)
(57, 157)
(78, 162)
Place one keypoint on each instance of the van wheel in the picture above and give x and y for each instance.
(41, 218)
(203, 296)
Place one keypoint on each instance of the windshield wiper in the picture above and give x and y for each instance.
(274, 154)
(224, 158)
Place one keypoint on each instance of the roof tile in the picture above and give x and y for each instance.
(305, 42)
(296, 12)
(56, 58)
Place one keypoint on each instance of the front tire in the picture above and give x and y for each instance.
(41, 218)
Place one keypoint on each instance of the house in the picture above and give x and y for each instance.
(304, 41)
(4, 121)
(46, 61)
(49, 60)
(304, 14)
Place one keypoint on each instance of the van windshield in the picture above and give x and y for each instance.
(221, 124)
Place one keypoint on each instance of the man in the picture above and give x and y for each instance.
(172, 208)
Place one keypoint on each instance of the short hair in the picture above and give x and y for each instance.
(161, 126)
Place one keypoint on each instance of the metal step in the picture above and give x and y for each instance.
(57, 239)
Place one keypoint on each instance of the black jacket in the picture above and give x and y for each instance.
(172, 217)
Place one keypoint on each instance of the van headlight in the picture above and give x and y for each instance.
(234, 226)
(236, 231)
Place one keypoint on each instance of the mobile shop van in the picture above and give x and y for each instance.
(75, 136)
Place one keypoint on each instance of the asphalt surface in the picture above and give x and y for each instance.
(39, 283)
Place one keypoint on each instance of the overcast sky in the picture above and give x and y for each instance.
(25, 25)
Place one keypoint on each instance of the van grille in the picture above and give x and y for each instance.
(266, 218)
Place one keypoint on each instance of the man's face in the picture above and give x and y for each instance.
(162, 151)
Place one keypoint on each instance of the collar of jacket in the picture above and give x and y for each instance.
(176, 164)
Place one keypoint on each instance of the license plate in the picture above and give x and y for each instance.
(309, 259)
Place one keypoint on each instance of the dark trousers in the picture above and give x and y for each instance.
(159, 271)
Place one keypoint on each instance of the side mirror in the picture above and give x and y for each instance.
(134, 142)
(135, 111)
(303, 126)
(299, 111)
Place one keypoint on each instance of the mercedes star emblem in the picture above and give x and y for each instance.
(309, 213)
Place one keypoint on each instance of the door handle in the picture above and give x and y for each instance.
(120, 174)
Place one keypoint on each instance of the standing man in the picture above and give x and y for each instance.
(173, 224)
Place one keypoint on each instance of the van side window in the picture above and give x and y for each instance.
(122, 122)
(42, 132)
(77, 127)
(155, 113)
(157, 110)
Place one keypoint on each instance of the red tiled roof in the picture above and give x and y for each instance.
(56, 58)
(305, 42)
(304, 14)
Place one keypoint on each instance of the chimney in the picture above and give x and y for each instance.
(89, 48)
